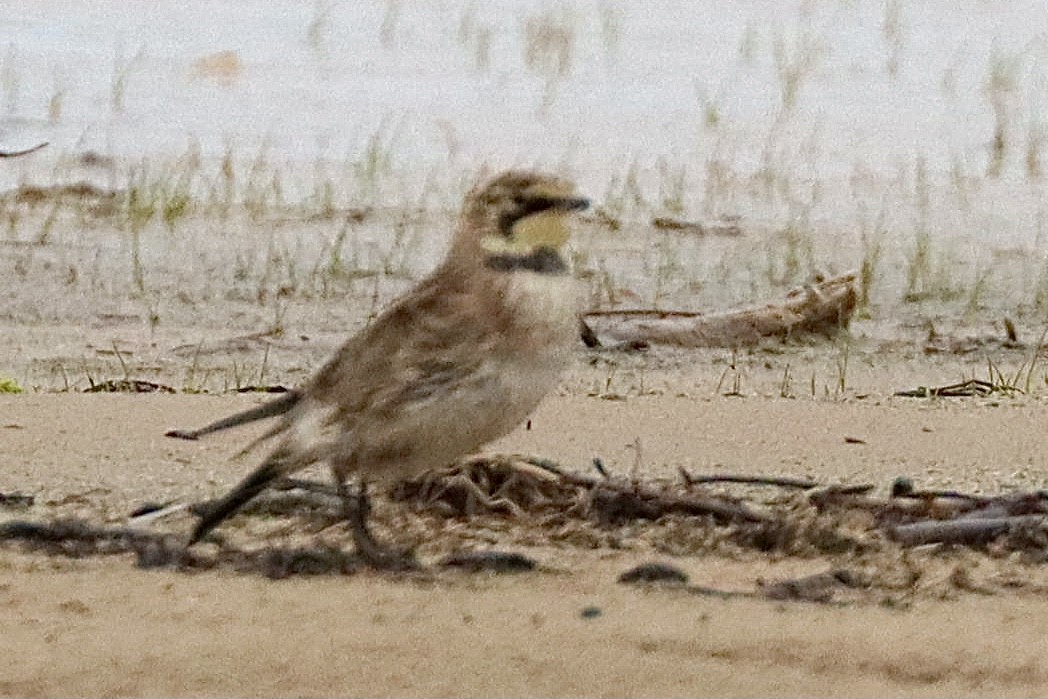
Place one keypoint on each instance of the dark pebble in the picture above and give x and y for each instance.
(489, 561)
(590, 612)
(654, 572)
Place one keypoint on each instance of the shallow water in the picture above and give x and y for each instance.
(840, 134)
(449, 85)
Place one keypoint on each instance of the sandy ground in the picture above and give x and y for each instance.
(217, 310)
(967, 623)
(296, 167)
(100, 626)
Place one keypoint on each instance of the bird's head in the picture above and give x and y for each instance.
(518, 220)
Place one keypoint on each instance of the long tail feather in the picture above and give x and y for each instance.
(273, 408)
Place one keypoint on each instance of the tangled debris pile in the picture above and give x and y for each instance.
(829, 519)
(872, 544)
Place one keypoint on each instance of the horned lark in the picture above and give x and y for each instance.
(456, 363)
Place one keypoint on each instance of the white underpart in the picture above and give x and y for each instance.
(312, 426)
(460, 419)
(545, 299)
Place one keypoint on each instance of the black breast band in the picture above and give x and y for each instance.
(544, 260)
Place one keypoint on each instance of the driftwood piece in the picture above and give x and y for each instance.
(1010, 505)
(780, 482)
(822, 307)
(968, 531)
(892, 510)
(975, 506)
(933, 512)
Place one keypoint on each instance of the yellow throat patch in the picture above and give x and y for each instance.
(546, 229)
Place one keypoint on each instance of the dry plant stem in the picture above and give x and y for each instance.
(724, 228)
(27, 151)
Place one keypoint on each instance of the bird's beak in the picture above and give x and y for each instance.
(572, 204)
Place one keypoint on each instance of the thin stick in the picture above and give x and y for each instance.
(802, 483)
(27, 151)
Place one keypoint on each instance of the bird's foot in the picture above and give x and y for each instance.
(371, 552)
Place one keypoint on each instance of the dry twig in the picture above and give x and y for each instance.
(26, 151)
(963, 389)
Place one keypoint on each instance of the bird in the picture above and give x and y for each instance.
(455, 363)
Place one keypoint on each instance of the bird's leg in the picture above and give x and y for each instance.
(357, 509)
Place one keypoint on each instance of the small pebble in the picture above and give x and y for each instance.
(901, 487)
